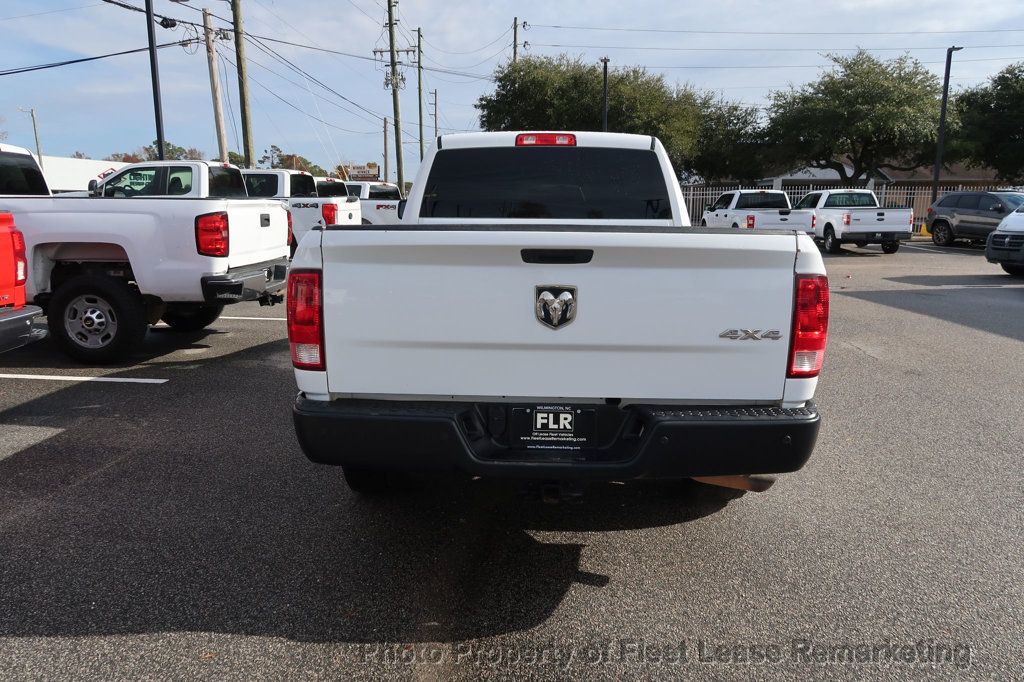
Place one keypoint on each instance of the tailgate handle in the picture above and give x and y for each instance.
(264, 220)
(557, 256)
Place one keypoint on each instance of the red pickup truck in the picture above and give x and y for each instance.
(18, 322)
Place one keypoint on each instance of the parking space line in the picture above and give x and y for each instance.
(57, 377)
(274, 319)
(938, 249)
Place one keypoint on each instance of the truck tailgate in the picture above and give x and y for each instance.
(454, 312)
(258, 231)
(870, 218)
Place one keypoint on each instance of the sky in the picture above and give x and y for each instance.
(742, 50)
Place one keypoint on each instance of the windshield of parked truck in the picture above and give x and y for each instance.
(596, 183)
(261, 184)
(20, 176)
(226, 182)
(851, 200)
(763, 200)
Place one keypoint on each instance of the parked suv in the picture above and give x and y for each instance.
(970, 215)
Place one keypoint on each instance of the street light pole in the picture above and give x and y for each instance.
(35, 131)
(154, 69)
(942, 123)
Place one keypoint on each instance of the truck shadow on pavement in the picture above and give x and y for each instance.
(188, 506)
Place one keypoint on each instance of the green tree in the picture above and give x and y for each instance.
(234, 158)
(730, 143)
(172, 152)
(864, 112)
(275, 158)
(991, 132)
(560, 93)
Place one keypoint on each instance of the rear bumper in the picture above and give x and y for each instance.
(21, 326)
(1005, 247)
(650, 441)
(876, 237)
(248, 283)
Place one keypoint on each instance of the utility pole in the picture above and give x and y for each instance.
(395, 86)
(387, 169)
(435, 113)
(604, 109)
(515, 39)
(419, 81)
(154, 71)
(35, 130)
(218, 111)
(942, 123)
(243, 83)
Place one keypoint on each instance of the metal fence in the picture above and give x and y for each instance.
(892, 195)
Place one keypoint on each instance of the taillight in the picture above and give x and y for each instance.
(750, 222)
(305, 319)
(212, 234)
(20, 261)
(546, 140)
(810, 326)
(291, 235)
(330, 213)
(912, 217)
(930, 212)
(814, 221)
(846, 219)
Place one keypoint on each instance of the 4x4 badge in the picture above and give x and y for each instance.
(750, 335)
(555, 305)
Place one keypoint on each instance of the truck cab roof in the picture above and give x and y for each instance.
(516, 138)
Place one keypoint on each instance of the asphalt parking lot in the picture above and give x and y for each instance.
(172, 528)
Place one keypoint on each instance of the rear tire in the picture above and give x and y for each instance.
(832, 245)
(890, 247)
(96, 319)
(191, 317)
(942, 234)
(366, 481)
(1015, 270)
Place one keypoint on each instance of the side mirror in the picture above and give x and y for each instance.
(94, 188)
(997, 208)
(351, 199)
(401, 208)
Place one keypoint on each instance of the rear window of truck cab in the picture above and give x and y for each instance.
(19, 175)
(581, 183)
(385, 192)
(227, 182)
(327, 189)
(302, 186)
(762, 200)
(850, 200)
(261, 184)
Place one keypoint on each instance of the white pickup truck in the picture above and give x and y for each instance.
(298, 191)
(839, 216)
(765, 209)
(170, 240)
(379, 200)
(545, 311)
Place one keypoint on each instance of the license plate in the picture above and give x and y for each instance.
(552, 427)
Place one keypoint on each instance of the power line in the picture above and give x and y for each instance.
(760, 49)
(773, 33)
(479, 49)
(797, 66)
(51, 11)
(67, 62)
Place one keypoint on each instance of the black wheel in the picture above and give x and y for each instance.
(942, 234)
(1015, 270)
(890, 247)
(96, 319)
(832, 245)
(366, 481)
(861, 245)
(191, 317)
